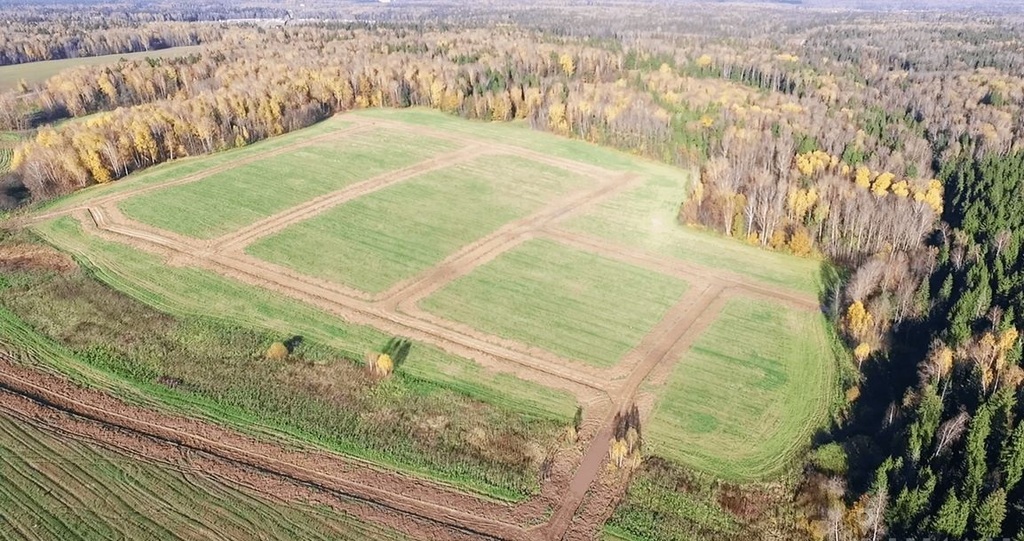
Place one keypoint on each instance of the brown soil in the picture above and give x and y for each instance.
(20, 257)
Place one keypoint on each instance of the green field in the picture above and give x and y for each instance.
(571, 302)
(192, 293)
(645, 218)
(37, 72)
(6, 154)
(56, 487)
(264, 187)
(748, 393)
(379, 239)
(181, 167)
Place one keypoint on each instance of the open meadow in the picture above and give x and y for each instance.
(533, 274)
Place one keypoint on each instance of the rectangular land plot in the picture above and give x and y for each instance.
(380, 239)
(184, 291)
(229, 200)
(570, 302)
(747, 394)
(645, 217)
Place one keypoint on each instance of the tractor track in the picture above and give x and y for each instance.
(39, 388)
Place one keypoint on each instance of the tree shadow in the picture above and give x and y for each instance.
(293, 343)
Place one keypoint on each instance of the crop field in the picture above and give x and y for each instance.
(37, 72)
(266, 186)
(751, 387)
(532, 274)
(377, 240)
(55, 487)
(574, 303)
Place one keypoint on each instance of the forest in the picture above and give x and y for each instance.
(889, 144)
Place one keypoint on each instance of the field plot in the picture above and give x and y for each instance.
(573, 303)
(752, 387)
(263, 187)
(646, 217)
(533, 273)
(379, 239)
(271, 397)
(37, 72)
(55, 487)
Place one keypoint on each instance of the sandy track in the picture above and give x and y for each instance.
(307, 467)
(680, 328)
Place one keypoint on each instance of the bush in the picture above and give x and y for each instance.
(830, 459)
(277, 352)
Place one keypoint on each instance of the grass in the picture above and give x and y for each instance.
(645, 217)
(571, 302)
(6, 154)
(253, 395)
(267, 186)
(512, 133)
(667, 502)
(379, 239)
(748, 393)
(181, 167)
(37, 72)
(56, 487)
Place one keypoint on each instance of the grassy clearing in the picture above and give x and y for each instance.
(474, 451)
(748, 393)
(37, 72)
(56, 487)
(568, 301)
(181, 167)
(645, 217)
(229, 200)
(512, 133)
(379, 239)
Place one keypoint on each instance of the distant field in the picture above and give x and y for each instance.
(37, 72)
(379, 239)
(752, 387)
(570, 302)
(645, 217)
(264, 187)
(56, 487)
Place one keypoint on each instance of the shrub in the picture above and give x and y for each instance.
(277, 352)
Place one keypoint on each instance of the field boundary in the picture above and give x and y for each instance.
(587, 489)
